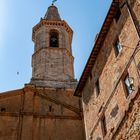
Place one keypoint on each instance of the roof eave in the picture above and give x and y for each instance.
(97, 47)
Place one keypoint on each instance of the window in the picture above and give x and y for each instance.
(2, 109)
(54, 39)
(118, 48)
(90, 76)
(118, 14)
(97, 86)
(103, 126)
(50, 108)
(128, 85)
(114, 111)
(98, 138)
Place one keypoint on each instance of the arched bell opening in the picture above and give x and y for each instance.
(54, 39)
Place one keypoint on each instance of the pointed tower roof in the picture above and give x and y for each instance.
(52, 13)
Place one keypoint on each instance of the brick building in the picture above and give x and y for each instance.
(110, 83)
(45, 109)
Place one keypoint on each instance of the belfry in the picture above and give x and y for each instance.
(103, 105)
(45, 109)
(52, 61)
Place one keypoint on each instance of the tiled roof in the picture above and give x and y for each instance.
(52, 14)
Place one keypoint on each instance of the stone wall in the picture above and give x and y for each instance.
(110, 70)
(40, 114)
(130, 126)
(53, 64)
(50, 64)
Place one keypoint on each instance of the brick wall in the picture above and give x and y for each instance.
(40, 114)
(110, 70)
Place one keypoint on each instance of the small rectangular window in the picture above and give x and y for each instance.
(117, 15)
(127, 85)
(50, 108)
(98, 138)
(90, 76)
(2, 109)
(118, 48)
(103, 126)
(97, 86)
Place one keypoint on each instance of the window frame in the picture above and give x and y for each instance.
(118, 14)
(117, 49)
(55, 34)
(97, 87)
(125, 86)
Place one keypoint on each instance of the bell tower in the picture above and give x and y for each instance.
(52, 61)
(45, 108)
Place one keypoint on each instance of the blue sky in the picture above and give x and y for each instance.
(17, 17)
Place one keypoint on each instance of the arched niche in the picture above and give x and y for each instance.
(54, 38)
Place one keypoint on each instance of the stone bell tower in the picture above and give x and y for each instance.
(45, 109)
(52, 61)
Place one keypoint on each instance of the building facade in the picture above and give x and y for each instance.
(45, 109)
(110, 83)
(109, 88)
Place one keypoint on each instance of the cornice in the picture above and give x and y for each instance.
(44, 22)
(11, 93)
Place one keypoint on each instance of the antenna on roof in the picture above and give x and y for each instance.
(53, 2)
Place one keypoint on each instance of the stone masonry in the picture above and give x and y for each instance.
(45, 109)
(107, 106)
(53, 67)
(36, 113)
(111, 109)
